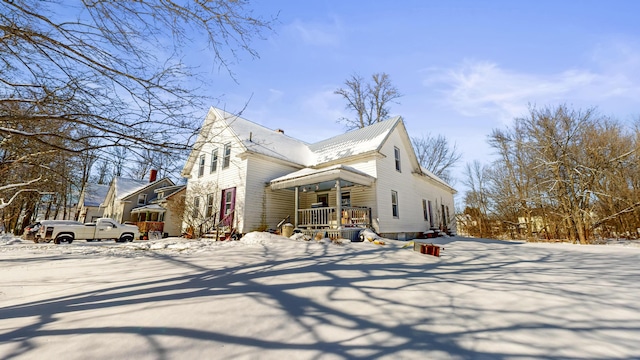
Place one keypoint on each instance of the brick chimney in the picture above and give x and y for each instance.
(153, 174)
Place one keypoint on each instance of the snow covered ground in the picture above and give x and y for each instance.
(269, 297)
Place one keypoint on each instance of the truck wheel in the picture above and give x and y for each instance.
(126, 238)
(56, 241)
(65, 238)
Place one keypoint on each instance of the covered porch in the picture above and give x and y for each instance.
(150, 220)
(323, 201)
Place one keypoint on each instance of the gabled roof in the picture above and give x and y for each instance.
(127, 187)
(94, 194)
(255, 138)
(261, 140)
(258, 139)
(329, 174)
(169, 191)
(427, 173)
(354, 142)
(252, 137)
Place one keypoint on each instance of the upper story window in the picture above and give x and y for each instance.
(396, 153)
(227, 156)
(394, 204)
(142, 199)
(214, 160)
(201, 167)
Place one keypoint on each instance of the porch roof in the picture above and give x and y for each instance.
(308, 176)
(153, 208)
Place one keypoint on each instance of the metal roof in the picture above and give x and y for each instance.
(351, 143)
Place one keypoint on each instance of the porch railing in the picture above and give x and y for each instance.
(147, 226)
(325, 217)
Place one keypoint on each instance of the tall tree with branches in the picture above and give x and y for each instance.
(435, 154)
(369, 101)
(104, 74)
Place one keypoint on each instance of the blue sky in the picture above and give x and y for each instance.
(464, 67)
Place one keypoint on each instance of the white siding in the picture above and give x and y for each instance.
(260, 208)
(411, 189)
(265, 208)
(256, 206)
(214, 183)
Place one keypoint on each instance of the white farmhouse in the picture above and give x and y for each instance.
(247, 176)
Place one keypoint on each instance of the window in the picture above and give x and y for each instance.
(142, 199)
(396, 153)
(201, 168)
(228, 202)
(444, 215)
(346, 199)
(196, 208)
(394, 203)
(425, 211)
(214, 161)
(209, 211)
(448, 216)
(227, 156)
(323, 199)
(430, 213)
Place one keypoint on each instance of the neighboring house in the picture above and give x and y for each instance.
(164, 213)
(125, 195)
(244, 174)
(90, 199)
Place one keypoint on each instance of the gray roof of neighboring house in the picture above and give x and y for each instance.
(94, 194)
(126, 187)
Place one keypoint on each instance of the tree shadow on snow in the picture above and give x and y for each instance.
(363, 301)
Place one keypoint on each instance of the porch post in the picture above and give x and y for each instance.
(297, 204)
(338, 204)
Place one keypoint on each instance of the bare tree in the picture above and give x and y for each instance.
(103, 170)
(566, 173)
(95, 71)
(435, 154)
(370, 101)
(477, 201)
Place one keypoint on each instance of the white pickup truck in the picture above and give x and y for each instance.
(101, 229)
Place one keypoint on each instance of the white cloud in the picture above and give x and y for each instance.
(316, 34)
(322, 109)
(275, 95)
(483, 88)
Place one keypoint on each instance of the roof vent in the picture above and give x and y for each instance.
(280, 131)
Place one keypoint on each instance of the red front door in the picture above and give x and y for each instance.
(228, 206)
